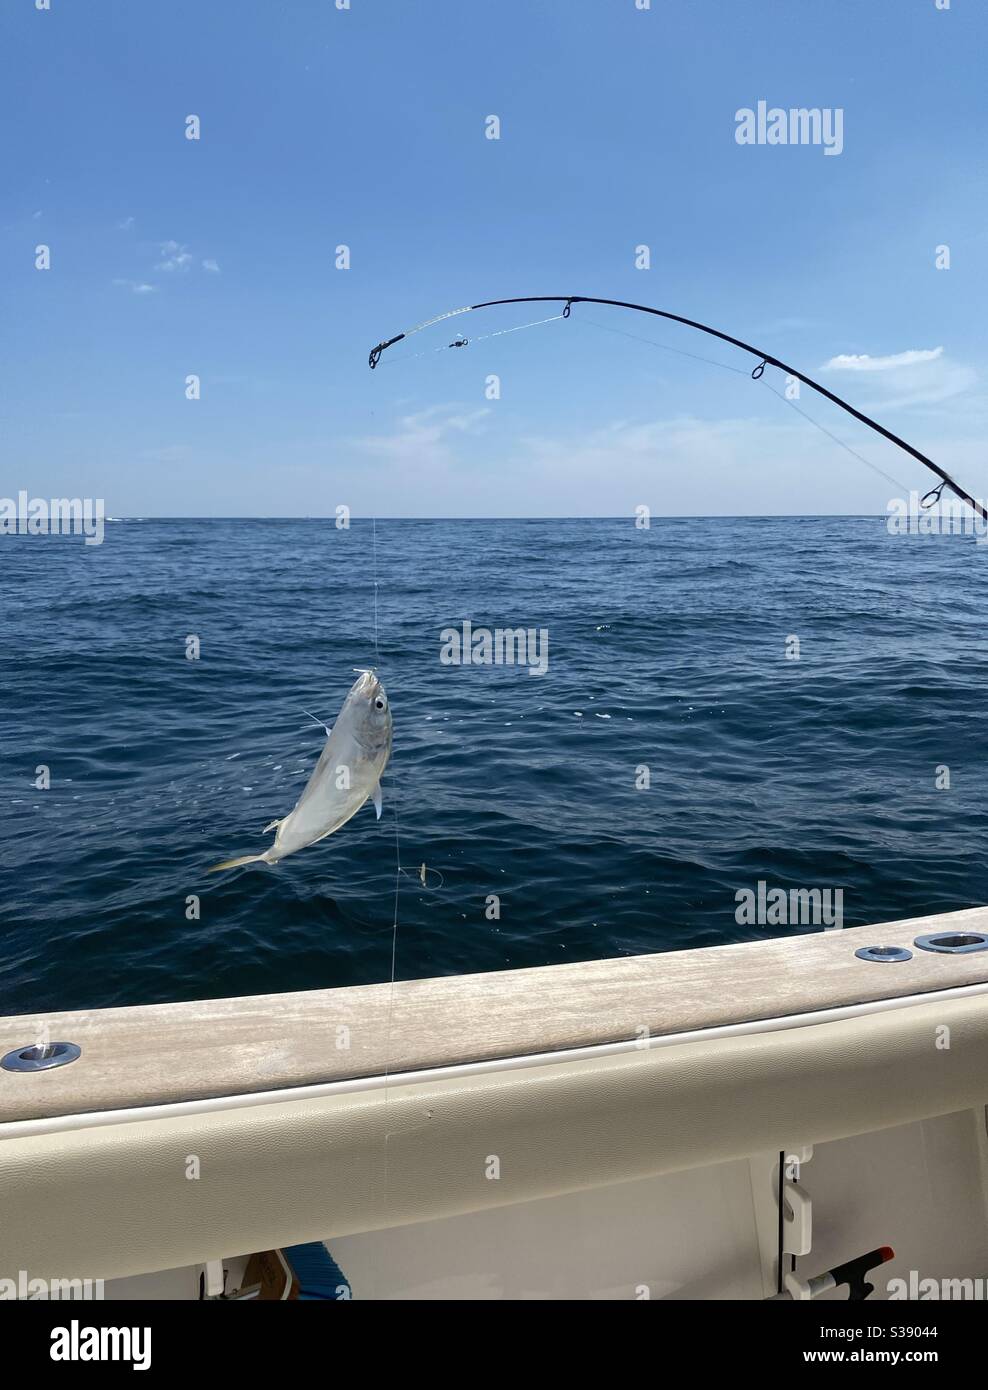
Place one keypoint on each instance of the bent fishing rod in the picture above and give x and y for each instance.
(765, 359)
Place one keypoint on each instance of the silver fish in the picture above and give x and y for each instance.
(347, 773)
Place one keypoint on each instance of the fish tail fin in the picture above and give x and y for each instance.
(236, 863)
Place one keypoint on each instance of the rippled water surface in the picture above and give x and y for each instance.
(667, 648)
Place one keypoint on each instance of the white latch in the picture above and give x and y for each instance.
(797, 1204)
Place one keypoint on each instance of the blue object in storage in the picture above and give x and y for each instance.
(318, 1274)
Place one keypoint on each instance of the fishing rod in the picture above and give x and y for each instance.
(765, 359)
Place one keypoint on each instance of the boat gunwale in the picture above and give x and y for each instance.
(135, 1057)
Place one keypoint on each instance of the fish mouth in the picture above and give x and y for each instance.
(368, 684)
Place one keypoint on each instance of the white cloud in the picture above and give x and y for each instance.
(136, 286)
(174, 256)
(680, 465)
(126, 224)
(917, 377)
(423, 437)
(953, 381)
(862, 362)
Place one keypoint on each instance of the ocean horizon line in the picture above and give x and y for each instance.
(612, 516)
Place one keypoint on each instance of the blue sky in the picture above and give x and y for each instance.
(366, 127)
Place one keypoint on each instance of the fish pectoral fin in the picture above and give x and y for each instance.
(377, 799)
(273, 825)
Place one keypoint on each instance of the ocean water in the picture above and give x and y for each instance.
(667, 650)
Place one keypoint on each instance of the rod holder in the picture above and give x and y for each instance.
(36, 1057)
(953, 943)
(883, 954)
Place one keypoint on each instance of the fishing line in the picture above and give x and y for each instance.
(394, 927)
(535, 323)
(741, 371)
(324, 727)
(377, 650)
(465, 342)
(710, 361)
(823, 429)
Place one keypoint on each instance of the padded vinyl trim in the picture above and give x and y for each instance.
(115, 1200)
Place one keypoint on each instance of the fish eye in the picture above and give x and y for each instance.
(379, 703)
